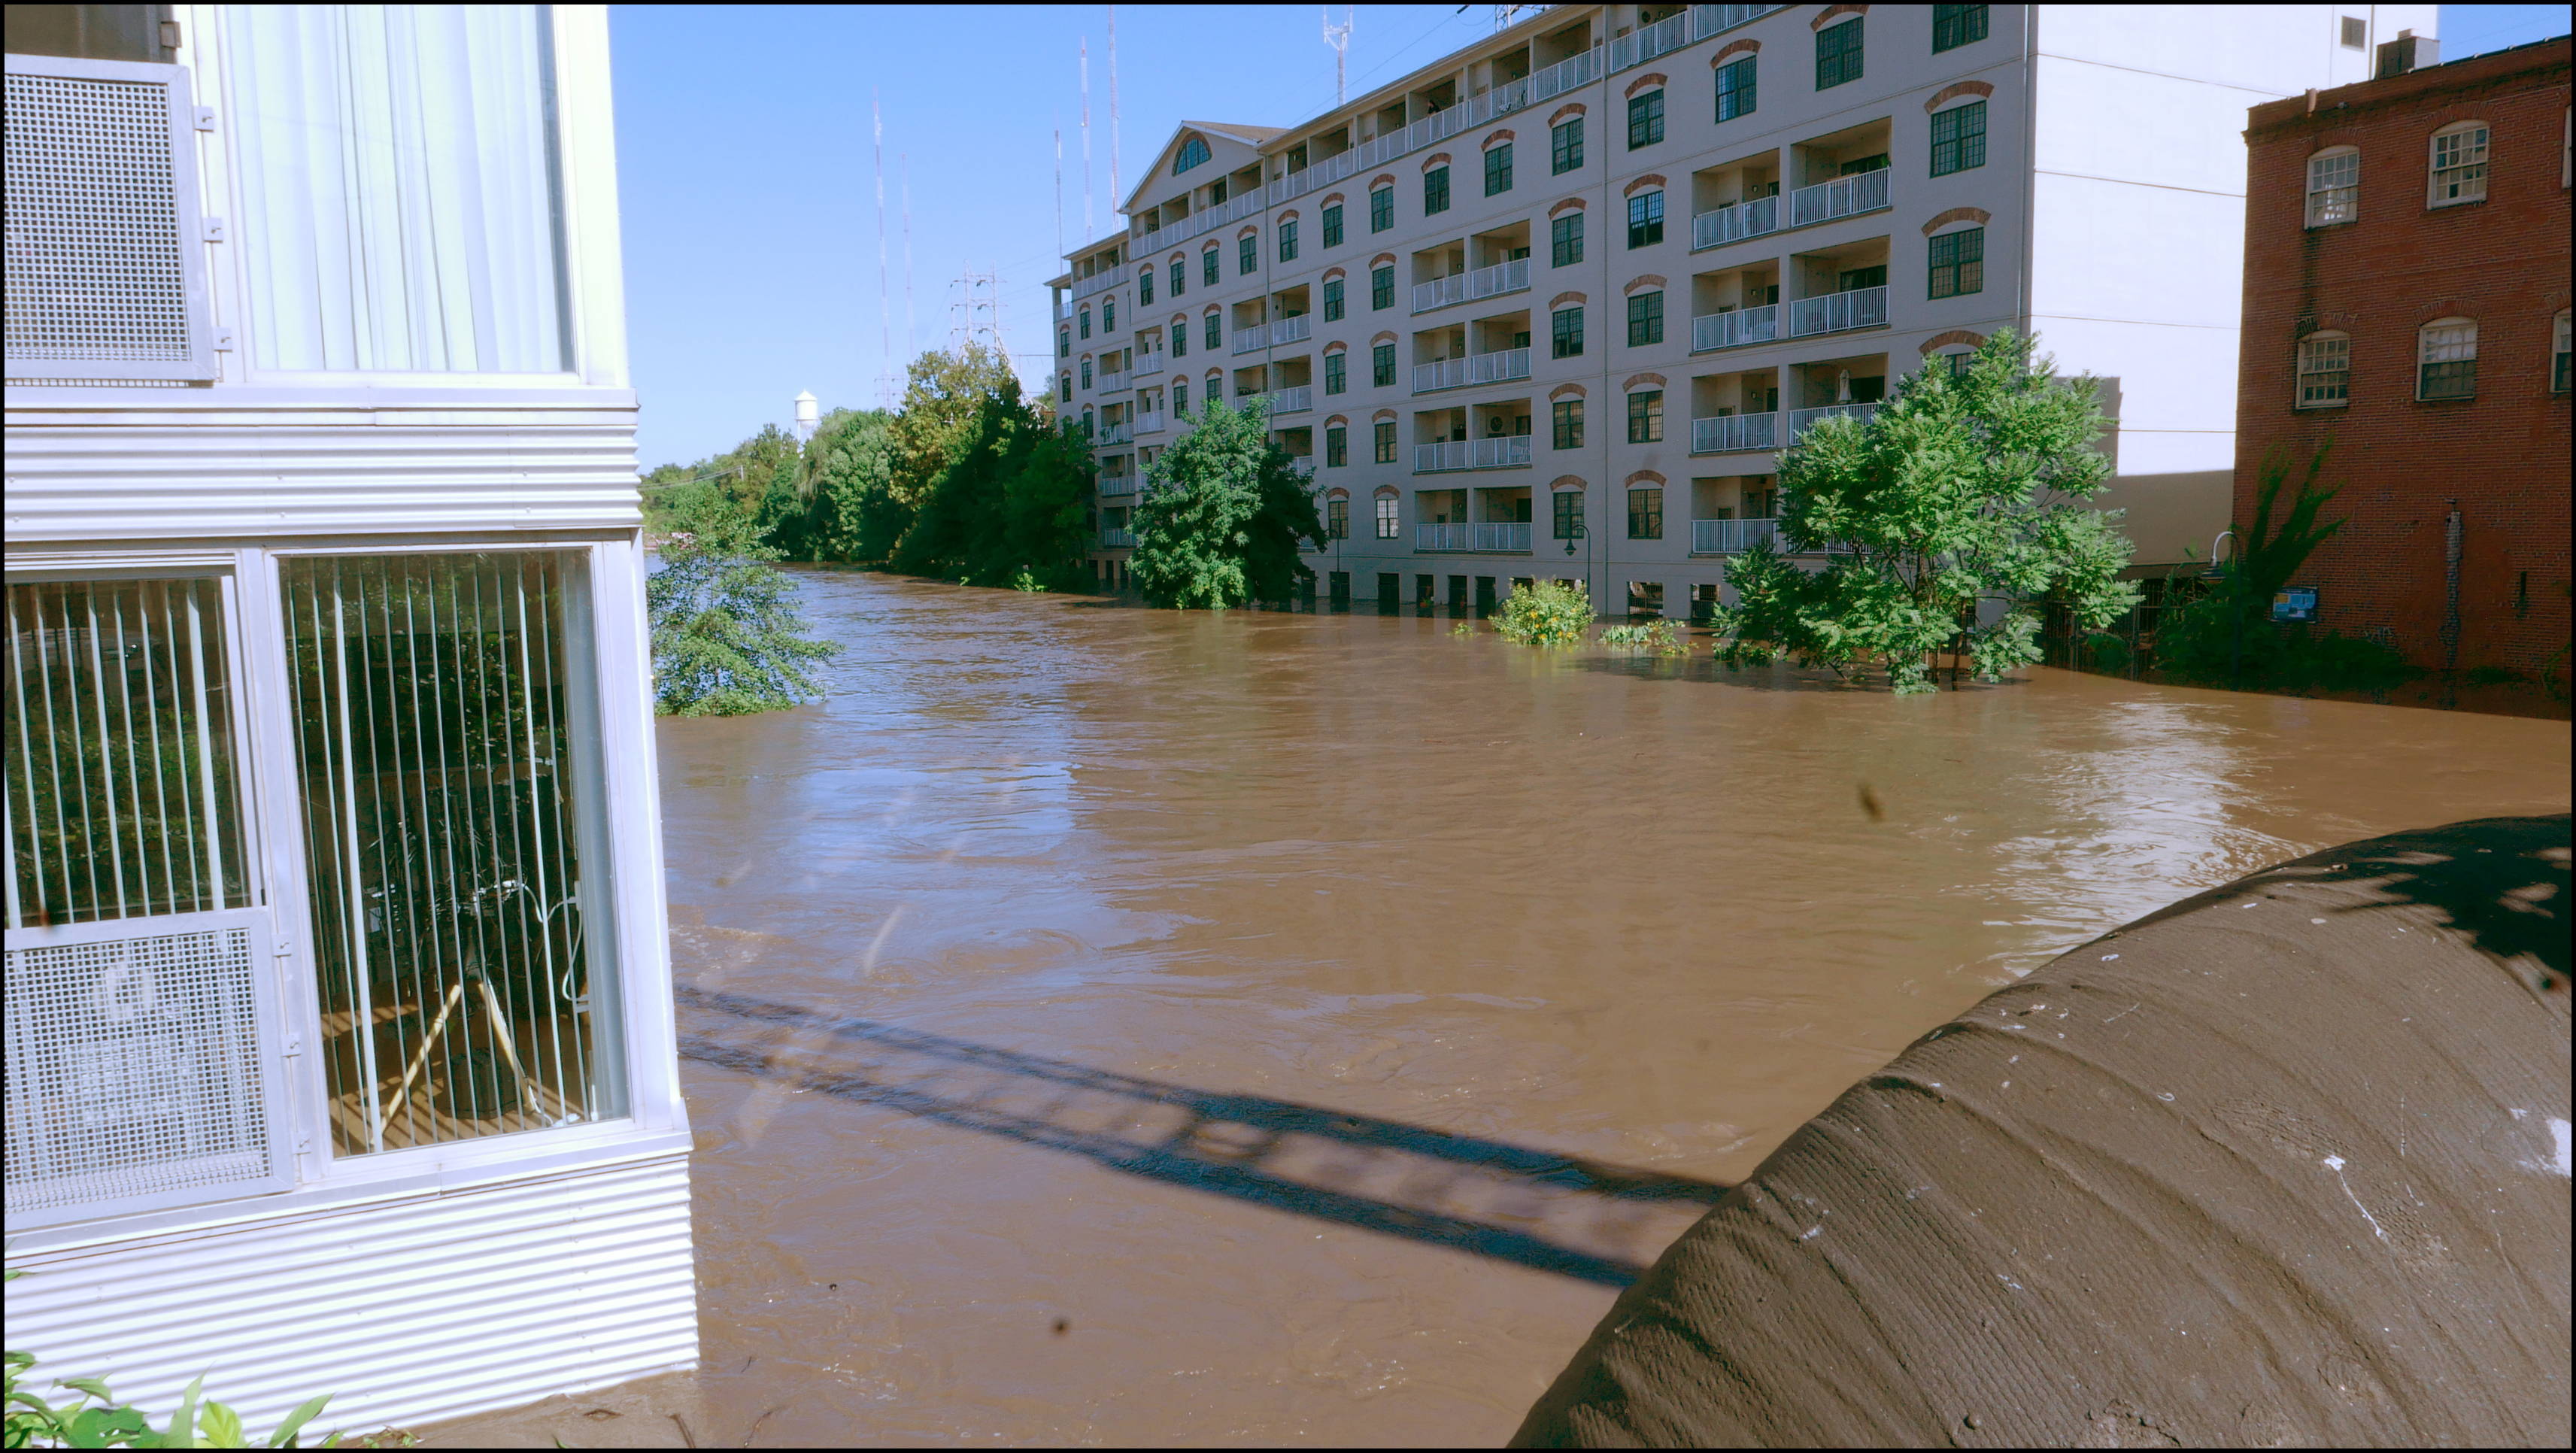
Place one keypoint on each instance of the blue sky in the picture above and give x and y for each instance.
(748, 191)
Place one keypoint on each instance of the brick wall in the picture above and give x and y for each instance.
(2500, 458)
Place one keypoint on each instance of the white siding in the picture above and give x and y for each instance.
(404, 1309)
(231, 469)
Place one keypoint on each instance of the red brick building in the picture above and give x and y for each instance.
(2406, 296)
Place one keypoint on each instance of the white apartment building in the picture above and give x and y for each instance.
(1550, 306)
(339, 1044)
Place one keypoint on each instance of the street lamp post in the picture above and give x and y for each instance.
(2217, 574)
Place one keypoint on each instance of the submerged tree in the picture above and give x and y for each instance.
(1961, 489)
(1222, 514)
(727, 635)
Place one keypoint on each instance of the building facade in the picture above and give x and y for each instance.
(1550, 306)
(338, 1028)
(2406, 302)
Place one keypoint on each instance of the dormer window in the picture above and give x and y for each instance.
(1193, 151)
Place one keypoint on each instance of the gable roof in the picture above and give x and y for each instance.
(1248, 137)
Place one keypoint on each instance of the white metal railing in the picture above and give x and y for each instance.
(1735, 329)
(1579, 69)
(1287, 400)
(1730, 537)
(1510, 451)
(1494, 535)
(1842, 197)
(1117, 539)
(1661, 38)
(1150, 421)
(1252, 338)
(1735, 432)
(1292, 330)
(1499, 366)
(1484, 282)
(1115, 486)
(1838, 312)
(1100, 282)
(1799, 419)
(1107, 382)
(1708, 20)
(1147, 365)
(1443, 537)
(1735, 221)
(1112, 433)
(1303, 463)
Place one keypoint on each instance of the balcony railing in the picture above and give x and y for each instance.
(1661, 38)
(1511, 451)
(1287, 400)
(1735, 221)
(1799, 419)
(1303, 463)
(1257, 336)
(1484, 282)
(1147, 365)
(1842, 197)
(1492, 537)
(1151, 421)
(1115, 486)
(1838, 312)
(1113, 433)
(1735, 329)
(1251, 337)
(1499, 366)
(1730, 537)
(1109, 382)
(1734, 433)
(1100, 282)
(1117, 539)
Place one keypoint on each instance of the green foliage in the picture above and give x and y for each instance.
(944, 397)
(727, 636)
(1545, 614)
(1463, 628)
(1008, 502)
(1657, 636)
(1222, 514)
(742, 475)
(2226, 635)
(1958, 490)
(95, 1419)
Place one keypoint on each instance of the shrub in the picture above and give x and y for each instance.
(106, 1423)
(727, 636)
(1657, 636)
(1544, 614)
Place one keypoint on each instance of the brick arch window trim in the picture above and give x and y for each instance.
(1643, 477)
(1495, 140)
(1958, 91)
(1382, 338)
(1337, 421)
(1570, 204)
(1252, 231)
(1437, 158)
(1566, 483)
(1386, 491)
(1288, 216)
(1649, 180)
(1570, 111)
(1565, 391)
(1180, 259)
(1383, 259)
(1337, 348)
(1955, 338)
(1834, 13)
(1978, 215)
(1383, 416)
(1565, 300)
(1337, 492)
(1650, 280)
(1645, 83)
(1745, 45)
(1641, 380)
(1382, 179)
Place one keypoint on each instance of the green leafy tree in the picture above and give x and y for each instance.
(727, 635)
(1222, 514)
(943, 397)
(1008, 504)
(851, 511)
(1960, 489)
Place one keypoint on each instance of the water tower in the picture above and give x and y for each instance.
(807, 419)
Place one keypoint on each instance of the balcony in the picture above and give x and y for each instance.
(1734, 222)
(1486, 537)
(1147, 365)
(1303, 463)
(1838, 312)
(1100, 282)
(1465, 287)
(1842, 197)
(1508, 452)
(1500, 366)
(1109, 382)
(1735, 329)
(1286, 400)
(1114, 486)
(1150, 422)
(1113, 433)
(1731, 537)
(1270, 335)
(1799, 419)
(1735, 433)
(1117, 539)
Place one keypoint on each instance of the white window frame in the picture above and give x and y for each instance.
(2334, 187)
(2558, 352)
(2445, 340)
(2464, 179)
(2319, 348)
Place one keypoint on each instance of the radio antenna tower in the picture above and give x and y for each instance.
(1339, 38)
(1059, 186)
(885, 307)
(1086, 139)
(1113, 111)
(975, 311)
(911, 332)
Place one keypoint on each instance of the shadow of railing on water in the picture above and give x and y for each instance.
(1556, 1213)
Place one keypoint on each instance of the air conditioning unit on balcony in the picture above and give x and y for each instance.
(106, 263)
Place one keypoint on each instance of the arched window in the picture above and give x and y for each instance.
(1086, 420)
(1181, 396)
(2446, 359)
(1208, 265)
(1086, 373)
(1957, 361)
(1086, 322)
(1215, 382)
(2334, 186)
(1193, 152)
(2459, 165)
(2325, 370)
(1064, 390)
(2558, 354)
(1180, 332)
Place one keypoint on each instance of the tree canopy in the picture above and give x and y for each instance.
(1962, 489)
(1223, 510)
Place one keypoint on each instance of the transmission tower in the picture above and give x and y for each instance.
(1339, 38)
(975, 311)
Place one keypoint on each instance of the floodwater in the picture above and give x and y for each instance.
(1109, 1025)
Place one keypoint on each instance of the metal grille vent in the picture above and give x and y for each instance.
(101, 270)
(134, 1072)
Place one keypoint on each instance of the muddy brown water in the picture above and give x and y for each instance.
(1108, 1025)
